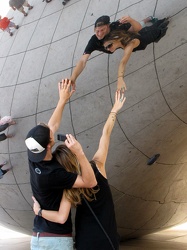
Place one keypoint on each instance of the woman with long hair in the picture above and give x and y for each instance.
(95, 222)
(131, 42)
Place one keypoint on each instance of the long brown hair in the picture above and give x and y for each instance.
(120, 35)
(69, 161)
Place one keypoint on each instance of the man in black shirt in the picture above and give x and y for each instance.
(102, 28)
(48, 178)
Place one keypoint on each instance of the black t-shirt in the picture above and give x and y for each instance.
(96, 44)
(89, 234)
(48, 180)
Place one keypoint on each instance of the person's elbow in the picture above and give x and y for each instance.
(85, 182)
(93, 184)
(90, 184)
(62, 219)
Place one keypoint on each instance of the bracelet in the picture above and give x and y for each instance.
(40, 212)
(113, 112)
(120, 76)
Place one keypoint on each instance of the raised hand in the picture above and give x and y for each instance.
(73, 144)
(121, 84)
(64, 88)
(119, 101)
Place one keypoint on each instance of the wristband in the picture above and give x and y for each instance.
(40, 212)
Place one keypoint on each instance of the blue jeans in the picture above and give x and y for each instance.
(51, 243)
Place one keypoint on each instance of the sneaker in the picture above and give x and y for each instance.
(17, 27)
(164, 24)
(11, 34)
(31, 7)
(162, 34)
(25, 14)
(153, 19)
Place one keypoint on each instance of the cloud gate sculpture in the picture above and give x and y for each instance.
(147, 198)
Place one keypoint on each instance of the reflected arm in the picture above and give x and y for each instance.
(121, 69)
(79, 67)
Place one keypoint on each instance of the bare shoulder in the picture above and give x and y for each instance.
(135, 42)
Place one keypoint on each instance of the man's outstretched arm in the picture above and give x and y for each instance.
(79, 68)
(64, 95)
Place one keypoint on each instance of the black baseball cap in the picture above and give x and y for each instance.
(102, 20)
(36, 141)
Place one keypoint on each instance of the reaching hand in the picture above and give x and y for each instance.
(73, 144)
(119, 101)
(125, 19)
(65, 91)
(36, 205)
(73, 85)
(121, 84)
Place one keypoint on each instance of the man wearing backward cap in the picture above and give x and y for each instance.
(48, 178)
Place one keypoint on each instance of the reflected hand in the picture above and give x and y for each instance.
(121, 84)
(125, 19)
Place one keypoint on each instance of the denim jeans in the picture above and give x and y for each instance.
(51, 243)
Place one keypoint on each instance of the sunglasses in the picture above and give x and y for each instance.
(109, 46)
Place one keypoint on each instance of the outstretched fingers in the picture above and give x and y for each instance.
(65, 85)
(70, 140)
(120, 98)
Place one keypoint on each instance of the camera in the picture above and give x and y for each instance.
(61, 137)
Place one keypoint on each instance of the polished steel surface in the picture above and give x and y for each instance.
(49, 42)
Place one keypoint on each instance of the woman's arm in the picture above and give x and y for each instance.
(87, 178)
(121, 69)
(101, 154)
(59, 216)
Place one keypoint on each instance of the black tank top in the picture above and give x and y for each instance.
(89, 235)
